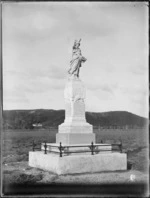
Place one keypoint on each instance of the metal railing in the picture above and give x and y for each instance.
(93, 148)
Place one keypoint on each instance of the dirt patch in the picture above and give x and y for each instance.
(23, 174)
(21, 178)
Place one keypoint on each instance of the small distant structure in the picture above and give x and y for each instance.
(37, 125)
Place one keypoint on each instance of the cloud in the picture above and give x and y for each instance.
(135, 89)
(51, 71)
(19, 84)
(13, 96)
(139, 69)
(43, 85)
(101, 92)
(55, 72)
(43, 22)
(99, 85)
(27, 21)
(107, 88)
(15, 99)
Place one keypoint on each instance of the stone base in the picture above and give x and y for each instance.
(75, 127)
(75, 138)
(78, 163)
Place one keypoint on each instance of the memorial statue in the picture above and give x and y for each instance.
(77, 60)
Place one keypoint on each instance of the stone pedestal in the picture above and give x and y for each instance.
(75, 153)
(78, 163)
(75, 138)
(75, 129)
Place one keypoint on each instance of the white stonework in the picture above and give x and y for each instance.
(78, 163)
(74, 95)
(75, 122)
(75, 132)
(75, 138)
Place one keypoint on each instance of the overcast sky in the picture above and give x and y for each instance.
(37, 47)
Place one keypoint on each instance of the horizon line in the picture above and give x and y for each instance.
(64, 110)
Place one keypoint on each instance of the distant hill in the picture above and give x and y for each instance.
(24, 119)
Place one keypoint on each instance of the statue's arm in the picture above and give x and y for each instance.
(82, 58)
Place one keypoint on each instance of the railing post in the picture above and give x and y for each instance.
(60, 149)
(120, 146)
(33, 146)
(92, 148)
(45, 148)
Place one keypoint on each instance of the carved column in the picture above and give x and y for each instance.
(75, 129)
(74, 95)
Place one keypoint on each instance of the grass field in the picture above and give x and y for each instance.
(17, 144)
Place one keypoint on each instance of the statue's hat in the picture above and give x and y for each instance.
(77, 41)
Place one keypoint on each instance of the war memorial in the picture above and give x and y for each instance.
(76, 149)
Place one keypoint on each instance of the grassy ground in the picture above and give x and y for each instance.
(17, 144)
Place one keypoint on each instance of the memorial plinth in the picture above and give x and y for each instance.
(76, 135)
(78, 163)
(75, 129)
(74, 150)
